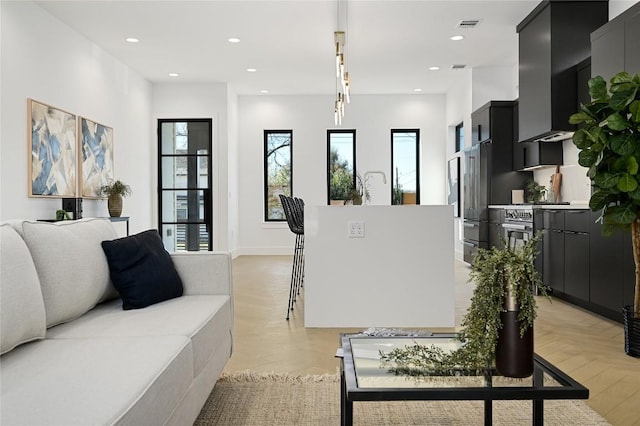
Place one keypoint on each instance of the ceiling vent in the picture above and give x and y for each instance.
(468, 23)
(458, 66)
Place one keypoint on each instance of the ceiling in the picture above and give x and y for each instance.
(390, 44)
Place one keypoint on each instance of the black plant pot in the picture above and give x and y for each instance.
(514, 354)
(631, 332)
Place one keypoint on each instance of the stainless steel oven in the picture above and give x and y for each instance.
(517, 227)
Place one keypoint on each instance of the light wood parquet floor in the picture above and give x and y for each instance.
(584, 345)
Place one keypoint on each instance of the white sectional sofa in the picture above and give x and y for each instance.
(72, 356)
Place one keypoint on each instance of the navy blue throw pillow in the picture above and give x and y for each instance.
(141, 270)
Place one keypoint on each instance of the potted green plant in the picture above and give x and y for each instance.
(359, 192)
(535, 192)
(609, 147)
(498, 326)
(114, 192)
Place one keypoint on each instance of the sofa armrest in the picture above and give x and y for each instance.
(204, 272)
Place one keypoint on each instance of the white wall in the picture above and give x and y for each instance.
(45, 60)
(210, 100)
(493, 84)
(309, 117)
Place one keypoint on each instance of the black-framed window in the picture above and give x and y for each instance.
(341, 164)
(459, 137)
(278, 175)
(405, 166)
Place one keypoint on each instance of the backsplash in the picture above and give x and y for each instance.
(576, 186)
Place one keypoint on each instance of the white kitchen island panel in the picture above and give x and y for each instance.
(400, 274)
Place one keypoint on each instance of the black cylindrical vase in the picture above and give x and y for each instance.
(514, 354)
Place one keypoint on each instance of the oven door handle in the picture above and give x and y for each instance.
(516, 227)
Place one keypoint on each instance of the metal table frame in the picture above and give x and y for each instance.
(567, 388)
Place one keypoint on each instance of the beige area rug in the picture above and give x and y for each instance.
(254, 399)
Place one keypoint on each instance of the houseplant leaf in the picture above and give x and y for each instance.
(598, 89)
(627, 183)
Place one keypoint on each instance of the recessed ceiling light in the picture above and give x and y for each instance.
(251, 70)
(417, 90)
(456, 37)
(264, 91)
(233, 40)
(434, 68)
(173, 74)
(132, 39)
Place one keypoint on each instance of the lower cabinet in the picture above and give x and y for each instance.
(566, 253)
(576, 256)
(553, 262)
(606, 268)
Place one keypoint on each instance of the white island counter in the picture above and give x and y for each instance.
(400, 274)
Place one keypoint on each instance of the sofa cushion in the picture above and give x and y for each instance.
(206, 320)
(134, 381)
(141, 270)
(22, 315)
(73, 270)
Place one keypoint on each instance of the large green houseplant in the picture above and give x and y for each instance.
(504, 278)
(609, 144)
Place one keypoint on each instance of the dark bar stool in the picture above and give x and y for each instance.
(294, 213)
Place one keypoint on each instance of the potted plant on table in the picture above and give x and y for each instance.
(498, 326)
(114, 192)
(609, 147)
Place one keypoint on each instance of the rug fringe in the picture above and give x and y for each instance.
(252, 376)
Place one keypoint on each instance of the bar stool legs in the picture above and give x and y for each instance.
(294, 213)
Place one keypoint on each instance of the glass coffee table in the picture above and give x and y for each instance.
(363, 379)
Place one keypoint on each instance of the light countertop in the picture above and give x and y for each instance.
(576, 206)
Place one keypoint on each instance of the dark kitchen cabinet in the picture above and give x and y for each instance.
(553, 250)
(481, 124)
(632, 43)
(488, 176)
(496, 217)
(606, 267)
(535, 154)
(552, 41)
(583, 75)
(614, 46)
(576, 255)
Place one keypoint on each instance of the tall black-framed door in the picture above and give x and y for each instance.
(184, 184)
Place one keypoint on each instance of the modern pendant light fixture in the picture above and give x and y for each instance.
(343, 84)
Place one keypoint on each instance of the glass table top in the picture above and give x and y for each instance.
(371, 372)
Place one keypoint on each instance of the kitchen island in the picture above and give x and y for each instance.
(397, 271)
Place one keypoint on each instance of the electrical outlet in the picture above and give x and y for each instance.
(355, 229)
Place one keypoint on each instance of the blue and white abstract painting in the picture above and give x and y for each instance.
(53, 151)
(96, 146)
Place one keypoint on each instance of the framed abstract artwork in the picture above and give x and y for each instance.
(453, 185)
(96, 157)
(53, 151)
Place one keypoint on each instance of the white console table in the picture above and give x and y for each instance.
(400, 274)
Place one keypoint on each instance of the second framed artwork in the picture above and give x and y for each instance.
(95, 165)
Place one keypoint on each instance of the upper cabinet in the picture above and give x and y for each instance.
(615, 46)
(553, 39)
